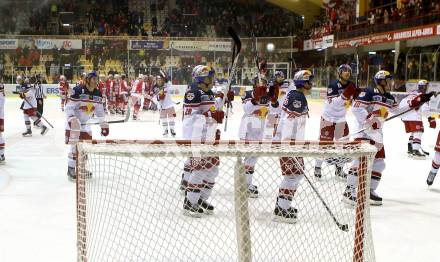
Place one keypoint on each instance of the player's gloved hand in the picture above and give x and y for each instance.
(230, 95)
(418, 100)
(161, 95)
(261, 113)
(22, 95)
(221, 95)
(217, 134)
(350, 91)
(2, 125)
(105, 129)
(432, 123)
(218, 115)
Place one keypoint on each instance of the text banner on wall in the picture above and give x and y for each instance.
(8, 44)
(67, 44)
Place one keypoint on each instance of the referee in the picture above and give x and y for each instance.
(39, 95)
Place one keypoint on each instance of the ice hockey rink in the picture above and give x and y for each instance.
(37, 202)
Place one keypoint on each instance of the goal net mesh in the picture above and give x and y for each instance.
(130, 206)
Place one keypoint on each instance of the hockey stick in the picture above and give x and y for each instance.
(127, 116)
(38, 113)
(235, 55)
(343, 227)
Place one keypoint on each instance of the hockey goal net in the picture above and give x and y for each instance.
(130, 207)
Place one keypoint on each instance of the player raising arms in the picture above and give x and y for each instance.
(413, 121)
(273, 117)
(333, 124)
(292, 127)
(200, 125)
(86, 100)
(64, 90)
(2, 121)
(371, 109)
(29, 107)
(166, 105)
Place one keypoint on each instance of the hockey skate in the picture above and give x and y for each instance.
(44, 130)
(183, 185)
(430, 179)
(135, 117)
(191, 210)
(28, 133)
(375, 199)
(207, 208)
(165, 132)
(112, 111)
(2, 159)
(71, 175)
(410, 149)
(285, 215)
(253, 191)
(317, 172)
(339, 172)
(417, 154)
(349, 196)
(173, 133)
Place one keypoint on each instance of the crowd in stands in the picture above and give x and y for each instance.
(341, 15)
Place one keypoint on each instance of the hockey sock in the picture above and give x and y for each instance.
(287, 190)
(249, 176)
(171, 123)
(194, 184)
(352, 178)
(2, 145)
(37, 121)
(209, 182)
(417, 139)
(435, 163)
(164, 124)
(27, 121)
(375, 179)
(318, 163)
(71, 161)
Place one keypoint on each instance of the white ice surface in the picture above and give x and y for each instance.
(37, 203)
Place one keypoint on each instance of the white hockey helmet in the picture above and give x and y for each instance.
(62, 78)
(301, 77)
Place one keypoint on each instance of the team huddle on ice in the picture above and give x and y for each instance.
(274, 110)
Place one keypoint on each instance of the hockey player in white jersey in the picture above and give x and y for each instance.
(255, 108)
(2, 122)
(292, 127)
(333, 125)
(370, 109)
(85, 102)
(200, 125)
(166, 105)
(413, 121)
(274, 114)
(29, 106)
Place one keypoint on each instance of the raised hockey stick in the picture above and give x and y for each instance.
(38, 113)
(235, 54)
(343, 227)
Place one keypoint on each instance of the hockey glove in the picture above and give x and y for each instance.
(419, 100)
(274, 93)
(218, 115)
(258, 92)
(230, 95)
(161, 95)
(349, 91)
(432, 123)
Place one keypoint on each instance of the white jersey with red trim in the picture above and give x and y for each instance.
(83, 105)
(416, 114)
(294, 114)
(196, 126)
(29, 92)
(336, 105)
(371, 103)
(254, 116)
(164, 96)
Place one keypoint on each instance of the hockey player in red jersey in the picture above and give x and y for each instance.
(102, 87)
(84, 102)
(64, 90)
(370, 109)
(29, 106)
(2, 122)
(413, 121)
(148, 91)
(111, 100)
(333, 124)
(136, 94)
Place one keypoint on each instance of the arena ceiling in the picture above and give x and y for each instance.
(308, 8)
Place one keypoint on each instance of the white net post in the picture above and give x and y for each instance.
(130, 209)
(242, 213)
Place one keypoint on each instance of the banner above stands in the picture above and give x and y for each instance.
(145, 44)
(67, 44)
(319, 43)
(8, 44)
(405, 34)
(201, 46)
